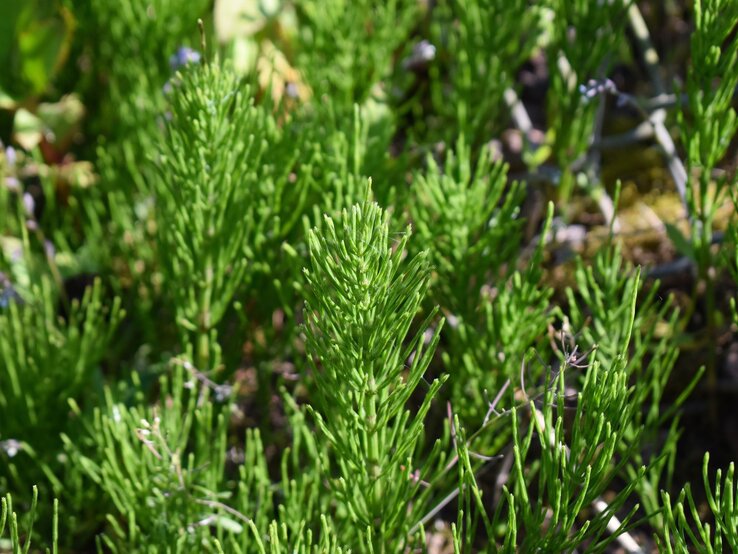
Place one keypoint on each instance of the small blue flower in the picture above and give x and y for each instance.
(11, 447)
(49, 249)
(594, 88)
(10, 156)
(423, 53)
(7, 293)
(184, 55)
(13, 184)
(222, 392)
(29, 204)
(5, 297)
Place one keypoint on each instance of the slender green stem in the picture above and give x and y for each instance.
(374, 452)
(204, 324)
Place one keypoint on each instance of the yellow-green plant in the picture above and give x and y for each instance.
(362, 300)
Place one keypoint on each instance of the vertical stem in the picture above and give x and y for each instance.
(203, 350)
(375, 470)
(566, 186)
(204, 323)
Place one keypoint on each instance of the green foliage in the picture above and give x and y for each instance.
(681, 535)
(469, 207)
(209, 215)
(8, 517)
(468, 214)
(584, 36)
(348, 148)
(148, 32)
(260, 359)
(130, 48)
(361, 304)
(35, 43)
(576, 459)
(487, 349)
(345, 48)
(601, 297)
(481, 44)
(708, 123)
(710, 84)
(47, 359)
(161, 466)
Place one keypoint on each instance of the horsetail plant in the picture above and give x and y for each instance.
(583, 37)
(598, 321)
(468, 213)
(162, 467)
(453, 390)
(210, 203)
(361, 302)
(45, 360)
(708, 124)
(9, 517)
(486, 349)
(697, 535)
(563, 460)
(480, 45)
(345, 47)
(131, 45)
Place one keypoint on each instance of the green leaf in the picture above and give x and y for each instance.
(35, 46)
(682, 245)
(27, 129)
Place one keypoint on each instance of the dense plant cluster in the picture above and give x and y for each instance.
(299, 276)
